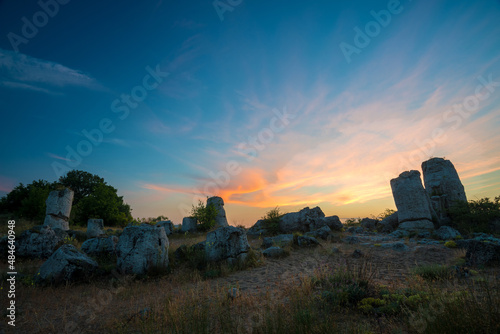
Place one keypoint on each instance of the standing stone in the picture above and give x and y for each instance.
(58, 208)
(167, 225)
(188, 224)
(412, 201)
(228, 242)
(140, 248)
(443, 186)
(95, 228)
(218, 203)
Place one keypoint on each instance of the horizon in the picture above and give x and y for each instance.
(288, 104)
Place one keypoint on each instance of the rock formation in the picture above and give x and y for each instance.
(301, 221)
(218, 203)
(58, 208)
(95, 228)
(188, 224)
(104, 246)
(228, 242)
(167, 225)
(38, 242)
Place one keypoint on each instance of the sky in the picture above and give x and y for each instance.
(282, 103)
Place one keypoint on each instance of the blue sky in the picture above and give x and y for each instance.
(265, 104)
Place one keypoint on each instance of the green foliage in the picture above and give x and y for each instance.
(94, 198)
(475, 215)
(205, 215)
(352, 222)
(433, 272)
(450, 244)
(386, 213)
(271, 221)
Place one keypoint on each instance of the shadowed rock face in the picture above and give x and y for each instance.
(443, 185)
(58, 209)
(189, 224)
(226, 243)
(301, 221)
(95, 228)
(218, 203)
(410, 197)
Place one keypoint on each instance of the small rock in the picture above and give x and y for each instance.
(305, 241)
(335, 250)
(357, 254)
(282, 240)
(273, 252)
(322, 233)
(446, 233)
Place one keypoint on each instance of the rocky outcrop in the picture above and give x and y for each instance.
(100, 246)
(167, 225)
(141, 248)
(307, 241)
(443, 186)
(37, 242)
(446, 233)
(58, 208)
(67, 264)
(333, 222)
(389, 223)
(226, 243)
(218, 203)
(282, 240)
(189, 224)
(412, 202)
(257, 229)
(301, 221)
(322, 233)
(95, 228)
(482, 253)
(369, 224)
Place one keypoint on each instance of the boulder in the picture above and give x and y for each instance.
(410, 197)
(95, 228)
(257, 229)
(397, 246)
(282, 240)
(274, 252)
(333, 222)
(322, 233)
(59, 203)
(443, 186)
(226, 243)
(369, 224)
(104, 246)
(355, 229)
(446, 233)
(67, 264)
(389, 223)
(218, 203)
(416, 226)
(482, 253)
(141, 248)
(167, 225)
(38, 242)
(306, 241)
(301, 221)
(56, 222)
(189, 224)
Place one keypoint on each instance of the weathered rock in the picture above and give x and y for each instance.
(226, 243)
(104, 246)
(189, 224)
(141, 248)
(282, 240)
(443, 185)
(369, 224)
(305, 241)
(56, 222)
(274, 252)
(95, 228)
(397, 246)
(59, 203)
(351, 240)
(258, 229)
(389, 223)
(482, 253)
(218, 203)
(355, 229)
(322, 233)
(416, 226)
(333, 222)
(67, 264)
(301, 221)
(446, 233)
(167, 225)
(357, 254)
(410, 197)
(335, 250)
(38, 242)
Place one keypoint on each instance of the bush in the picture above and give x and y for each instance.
(271, 221)
(433, 272)
(205, 216)
(475, 215)
(450, 244)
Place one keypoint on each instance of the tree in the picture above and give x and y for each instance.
(205, 216)
(82, 183)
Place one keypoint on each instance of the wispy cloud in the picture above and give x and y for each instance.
(58, 157)
(21, 71)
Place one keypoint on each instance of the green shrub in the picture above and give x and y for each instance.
(271, 221)
(450, 244)
(205, 216)
(433, 272)
(475, 215)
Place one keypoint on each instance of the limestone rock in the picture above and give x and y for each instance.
(67, 264)
(189, 224)
(282, 240)
(59, 203)
(416, 226)
(333, 222)
(141, 248)
(446, 233)
(257, 228)
(369, 223)
(218, 203)
(95, 228)
(410, 197)
(443, 185)
(226, 243)
(389, 223)
(306, 241)
(56, 222)
(300, 221)
(397, 246)
(100, 246)
(167, 225)
(482, 253)
(274, 252)
(38, 242)
(322, 233)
